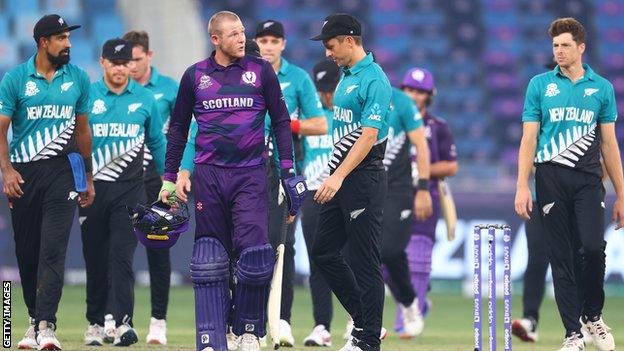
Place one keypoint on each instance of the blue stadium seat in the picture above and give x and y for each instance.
(82, 50)
(9, 53)
(106, 27)
(5, 28)
(23, 25)
(68, 9)
(16, 7)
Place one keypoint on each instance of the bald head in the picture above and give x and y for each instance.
(216, 21)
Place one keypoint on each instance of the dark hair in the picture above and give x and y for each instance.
(567, 25)
(137, 38)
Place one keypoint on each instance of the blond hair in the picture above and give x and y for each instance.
(217, 18)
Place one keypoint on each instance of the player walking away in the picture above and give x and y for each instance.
(405, 129)
(317, 151)
(165, 90)
(124, 118)
(354, 193)
(229, 94)
(306, 118)
(569, 116)
(418, 83)
(45, 100)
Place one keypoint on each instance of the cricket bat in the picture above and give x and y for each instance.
(275, 294)
(449, 212)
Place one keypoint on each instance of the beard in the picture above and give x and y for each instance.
(59, 60)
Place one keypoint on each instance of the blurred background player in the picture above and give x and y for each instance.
(230, 184)
(306, 118)
(352, 196)
(401, 206)
(165, 90)
(574, 101)
(124, 118)
(45, 96)
(316, 152)
(419, 84)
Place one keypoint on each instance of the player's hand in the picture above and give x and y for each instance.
(167, 192)
(290, 219)
(524, 202)
(183, 185)
(86, 198)
(11, 183)
(618, 213)
(423, 208)
(328, 189)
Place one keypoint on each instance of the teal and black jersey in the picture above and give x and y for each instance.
(43, 113)
(569, 115)
(403, 118)
(316, 152)
(362, 99)
(302, 102)
(122, 124)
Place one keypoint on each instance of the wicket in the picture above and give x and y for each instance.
(476, 286)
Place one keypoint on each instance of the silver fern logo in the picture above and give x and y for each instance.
(590, 92)
(133, 107)
(31, 88)
(158, 96)
(65, 86)
(98, 107)
(552, 90)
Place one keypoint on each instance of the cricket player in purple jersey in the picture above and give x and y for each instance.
(418, 83)
(229, 95)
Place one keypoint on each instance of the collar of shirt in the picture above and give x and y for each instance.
(103, 88)
(363, 63)
(284, 65)
(213, 65)
(589, 73)
(154, 75)
(32, 70)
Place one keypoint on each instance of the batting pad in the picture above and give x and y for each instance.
(420, 248)
(210, 274)
(254, 271)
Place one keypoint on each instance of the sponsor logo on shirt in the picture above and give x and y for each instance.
(249, 77)
(375, 113)
(590, 92)
(204, 81)
(559, 114)
(134, 107)
(552, 90)
(158, 96)
(50, 112)
(31, 88)
(65, 86)
(350, 88)
(98, 107)
(228, 102)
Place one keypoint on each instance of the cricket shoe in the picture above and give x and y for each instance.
(157, 334)
(573, 342)
(263, 342)
(286, 337)
(109, 329)
(349, 329)
(29, 341)
(413, 322)
(358, 345)
(232, 341)
(125, 335)
(525, 329)
(94, 336)
(46, 338)
(318, 337)
(600, 333)
(249, 342)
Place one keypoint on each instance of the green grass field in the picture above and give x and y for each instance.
(448, 327)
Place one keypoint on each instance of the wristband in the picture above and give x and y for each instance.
(295, 125)
(423, 184)
(88, 163)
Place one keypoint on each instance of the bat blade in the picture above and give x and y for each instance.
(275, 297)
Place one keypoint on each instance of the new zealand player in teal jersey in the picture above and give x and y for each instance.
(306, 118)
(165, 90)
(123, 118)
(569, 116)
(353, 195)
(45, 101)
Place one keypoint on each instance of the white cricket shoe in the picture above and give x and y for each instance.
(263, 342)
(600, 334)
(350, 345)
(157, 334)
(29, 341)
(94, 335)
(286, 337)
(110, 329)
(573, 342)
(525, 329)
(46, 337)
(232, 341)
(349, 328)
(249, 342)
(413, 322)
(125, 336)
(318, 337)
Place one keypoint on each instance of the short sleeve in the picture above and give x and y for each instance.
(8, 96)
(409, 114)
(532, 111)
(446, 144)
(376, 97)
(608, 110)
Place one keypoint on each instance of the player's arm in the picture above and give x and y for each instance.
(414, 125)
(447, 166)
(280, 119)
(84, 139)
(531, 118)
(183, 184)
(311, 106)
(178, 132)
(11, 178)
